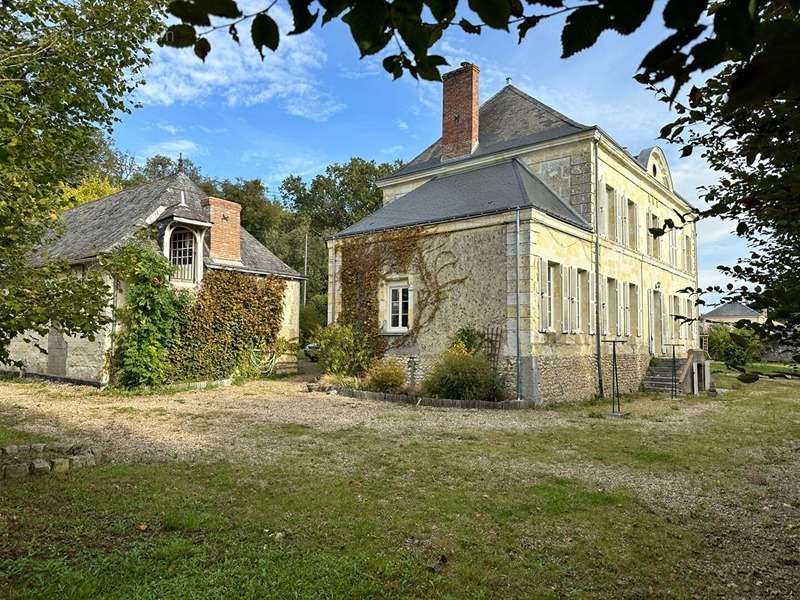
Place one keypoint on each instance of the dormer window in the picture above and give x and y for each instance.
(182, 254)
(655, 171)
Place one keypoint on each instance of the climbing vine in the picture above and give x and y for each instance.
(166, 335)
(367, 260)
(150, 319)
(233, 315)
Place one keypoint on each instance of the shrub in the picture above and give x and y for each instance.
(468, 339)
(341, 351)
(386, 375)
(460, 375)
(150, 319)
(735, 347)
(312, 316)
(343, 381)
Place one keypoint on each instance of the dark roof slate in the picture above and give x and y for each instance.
(496, 188)
(732, 309)
(98, 227)
(509, 119)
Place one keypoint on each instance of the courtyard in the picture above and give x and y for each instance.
(267, 490)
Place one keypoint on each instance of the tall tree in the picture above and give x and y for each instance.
(65, 71)
(754, 149)
(344, 194)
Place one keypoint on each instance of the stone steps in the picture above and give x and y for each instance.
(659, 375)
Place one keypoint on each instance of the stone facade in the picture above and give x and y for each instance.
(637, 284)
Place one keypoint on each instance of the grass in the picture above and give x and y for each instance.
(362, 513)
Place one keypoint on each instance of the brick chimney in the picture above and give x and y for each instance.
(460, 111)
(225, 242)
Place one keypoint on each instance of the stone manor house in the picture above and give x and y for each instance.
(546, 223)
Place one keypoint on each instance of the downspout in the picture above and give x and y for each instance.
(332, 320)
(516, 278)
(597, 329)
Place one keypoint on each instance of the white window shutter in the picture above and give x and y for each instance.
(541, 267)
(576, 306)
(651, 335)
(603, 305)
(636, 227)
(647, 236)
(620, 309)
(592, 303)
(639, 311)
(602, 208)
(626, 294)
(565, 279)
(620, 218)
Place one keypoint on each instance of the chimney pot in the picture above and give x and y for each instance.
(460, 111)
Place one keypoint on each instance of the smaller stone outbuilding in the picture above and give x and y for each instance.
(729, 314)
(197, 233)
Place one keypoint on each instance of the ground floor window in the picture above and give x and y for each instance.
(399, 307)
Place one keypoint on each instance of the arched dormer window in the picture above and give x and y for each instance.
(182, 254)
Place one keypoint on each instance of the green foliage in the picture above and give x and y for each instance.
(232, 315)
(734, 347)
(342, 351)
(66, 69)
(344, 194)
(90, 189)
(468, 339)
(459, 375)
(151, 318)
(313, 316)
(386, 375)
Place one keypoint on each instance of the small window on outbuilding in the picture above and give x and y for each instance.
(181, 254)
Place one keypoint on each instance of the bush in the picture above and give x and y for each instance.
(386, 375)
(734, 347)
(341, 351)
(460, 375)
(468, 339)
(313, 316)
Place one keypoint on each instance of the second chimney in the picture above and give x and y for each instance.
(226, 241)
(460, 111)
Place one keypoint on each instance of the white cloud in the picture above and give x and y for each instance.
(169, 128)
(402, 125)
(289, 76)
(173, 148)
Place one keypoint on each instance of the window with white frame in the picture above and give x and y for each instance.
(182, 254)
(399, 307)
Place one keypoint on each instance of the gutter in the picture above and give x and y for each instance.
(486, 213)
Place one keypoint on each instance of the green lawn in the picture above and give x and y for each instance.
(589, 507)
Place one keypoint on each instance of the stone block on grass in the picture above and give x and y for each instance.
(15, 471)
(40, 466)
(38, 448)
(59, 465)
(10, 450)
(81, 461)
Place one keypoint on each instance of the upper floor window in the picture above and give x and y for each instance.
(399, 307)
(182, 254)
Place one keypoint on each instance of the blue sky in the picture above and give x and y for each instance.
(314, 102)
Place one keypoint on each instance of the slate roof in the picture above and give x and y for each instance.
(98, 227)
(732, 309)
(496, 188)
(509, 119)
